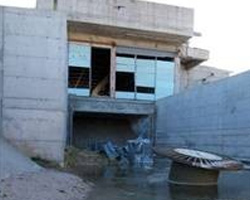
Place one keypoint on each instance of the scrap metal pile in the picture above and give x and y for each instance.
(136, 153)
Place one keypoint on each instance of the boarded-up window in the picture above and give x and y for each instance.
(79, 69)
(145, 77)
(164, 78)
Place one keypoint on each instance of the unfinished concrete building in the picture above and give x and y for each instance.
(81, 71)
(202, 75)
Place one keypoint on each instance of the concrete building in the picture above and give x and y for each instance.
(80, 72)
(202, 75)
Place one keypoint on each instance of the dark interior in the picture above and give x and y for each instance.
(93, 129)
(100, 74)
(78, 77)
(125, 81)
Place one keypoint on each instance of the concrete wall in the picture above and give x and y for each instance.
(45, 4)
(129, 14)
(35, 81)
(201, 75)
(112, 106)
(1, 67)
(212, 117)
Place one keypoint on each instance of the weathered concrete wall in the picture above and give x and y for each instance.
(212, 117)
(45, 4)
(129, 14)
(1, 68)
(111, 106)
(35, 81)
(201, 75)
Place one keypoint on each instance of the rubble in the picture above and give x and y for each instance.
(136, 153)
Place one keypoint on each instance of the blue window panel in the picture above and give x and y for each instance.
(145, 72)
(79, 55)
(165, 79)
(125, 95)
(145, 66)
(146, 80)
(79, 92)
(143, 96)
(124, 64)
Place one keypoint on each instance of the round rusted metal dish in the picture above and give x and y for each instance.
(200, 159)
(195, 167)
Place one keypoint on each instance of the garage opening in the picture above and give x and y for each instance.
(100, 74)
(90, 130)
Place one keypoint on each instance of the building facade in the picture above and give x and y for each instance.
(81, 72)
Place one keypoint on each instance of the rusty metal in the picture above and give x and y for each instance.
(187, 175)
(195, 167)
(183, 192)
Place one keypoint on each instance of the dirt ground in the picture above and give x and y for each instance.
(44, 185)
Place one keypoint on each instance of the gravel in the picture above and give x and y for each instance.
(44, 185)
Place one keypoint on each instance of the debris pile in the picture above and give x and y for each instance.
(136, 153)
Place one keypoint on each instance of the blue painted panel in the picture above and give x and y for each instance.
(79, 55)
(145, 66)
(143, 96)
(124, 64)
(79, 92)
(145, 72)
(125, 95)
(164, 79)
(146, 80)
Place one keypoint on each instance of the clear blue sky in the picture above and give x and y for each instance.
(224, 25)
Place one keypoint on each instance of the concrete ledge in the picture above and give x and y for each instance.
(191, 57)
(108, 105)
(145, 16)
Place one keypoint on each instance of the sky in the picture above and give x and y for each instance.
(19, 3)
(225, 29)
(224, 25)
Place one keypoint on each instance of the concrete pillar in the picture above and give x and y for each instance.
(45, 4)
(113, 72)
(184, 79)
(177, 77)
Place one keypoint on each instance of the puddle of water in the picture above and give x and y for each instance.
(139, 184)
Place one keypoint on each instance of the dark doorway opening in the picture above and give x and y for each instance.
(100, 74)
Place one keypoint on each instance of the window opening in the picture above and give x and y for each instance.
(143, 77)
(100, 71)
